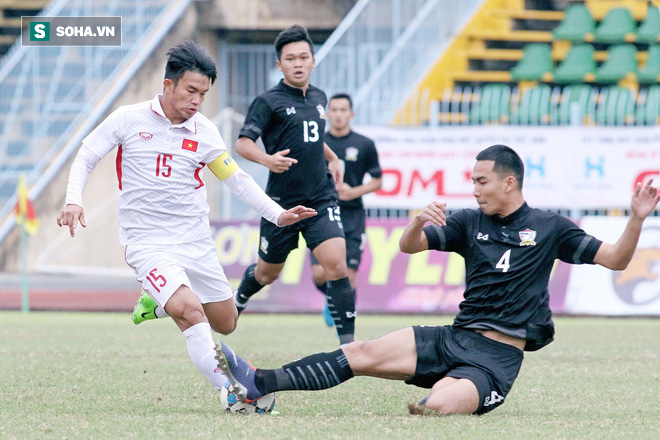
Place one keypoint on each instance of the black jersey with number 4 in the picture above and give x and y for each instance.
(360, 157)
(507, 267)
(285, 118)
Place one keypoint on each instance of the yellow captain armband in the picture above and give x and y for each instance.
(223, 167)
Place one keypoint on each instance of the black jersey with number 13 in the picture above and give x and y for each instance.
(285, 118)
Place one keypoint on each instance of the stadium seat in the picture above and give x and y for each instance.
(617, 27)
(616, 106)
(493, 105)
(650, 74)
(621, 62)
(651, 109)
(534, 107)
(578, 25)
(649, 30)
(535, 64)
(574, 96)
(578, 66)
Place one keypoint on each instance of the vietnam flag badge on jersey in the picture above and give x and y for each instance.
(189, 145)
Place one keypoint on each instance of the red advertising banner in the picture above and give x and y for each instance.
(388, 281)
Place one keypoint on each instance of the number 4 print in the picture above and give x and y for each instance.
(155, 279)
(504, 261)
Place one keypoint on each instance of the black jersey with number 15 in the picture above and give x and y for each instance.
(285, 118)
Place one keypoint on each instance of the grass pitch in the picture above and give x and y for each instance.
(96, 375)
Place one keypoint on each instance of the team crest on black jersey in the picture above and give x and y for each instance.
(321, 111)
(527, 237)
(352, 154)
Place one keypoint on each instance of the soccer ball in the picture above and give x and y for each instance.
(232, 404)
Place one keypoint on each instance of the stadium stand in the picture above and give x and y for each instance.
(521, 45)
(10, 19)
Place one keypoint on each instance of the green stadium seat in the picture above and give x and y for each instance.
(578, 65)
(649, 30)
(650, 74)
(621, 62)
(578, 24)
(575, 95)
(534, 107)
(492, 106)
(616, 106)
(617, 27)
(652, 106)
(535, 63)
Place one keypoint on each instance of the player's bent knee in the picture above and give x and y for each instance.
(224, 327)
(266, 277)
(336, 270)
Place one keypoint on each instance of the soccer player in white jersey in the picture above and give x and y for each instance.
(163, 146)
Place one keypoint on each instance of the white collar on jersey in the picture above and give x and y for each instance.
(188, 124)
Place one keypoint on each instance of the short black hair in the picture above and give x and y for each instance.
(343, 96)
(292, 35)
(506, 161)
(189, 56)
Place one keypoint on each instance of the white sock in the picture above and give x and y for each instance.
(199, 342)
(160, 312)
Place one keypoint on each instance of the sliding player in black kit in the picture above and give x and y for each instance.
(290, 119)
(509, 250)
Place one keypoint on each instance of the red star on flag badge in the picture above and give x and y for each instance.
(189, 145)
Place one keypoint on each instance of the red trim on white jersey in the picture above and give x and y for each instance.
(118, 165)
(198, 177)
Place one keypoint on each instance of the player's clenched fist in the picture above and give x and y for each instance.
(434, 213)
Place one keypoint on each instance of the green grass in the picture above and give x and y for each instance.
(83, 376)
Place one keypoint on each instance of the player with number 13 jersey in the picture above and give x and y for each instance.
(290, 119)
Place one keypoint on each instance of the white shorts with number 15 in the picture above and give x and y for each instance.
(162, 269)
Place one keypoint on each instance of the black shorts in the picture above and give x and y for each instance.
(354, 221)
(275, 243)
(464, 354)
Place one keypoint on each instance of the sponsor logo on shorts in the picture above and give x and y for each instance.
(493, 399)
(264, 245)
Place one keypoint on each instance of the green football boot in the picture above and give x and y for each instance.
(145, 309)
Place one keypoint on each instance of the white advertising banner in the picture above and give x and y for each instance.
(635, 291)
(565, 167)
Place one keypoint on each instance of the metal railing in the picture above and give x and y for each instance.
(383, 48)
(51, 97)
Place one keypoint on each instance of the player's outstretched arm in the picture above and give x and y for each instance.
(70, 216)
(617, 256)
(276, 163)
(295, 214)
(414, 239)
